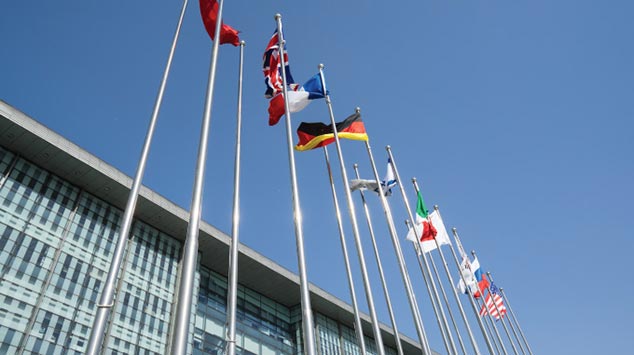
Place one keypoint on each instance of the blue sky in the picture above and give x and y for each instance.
(516, 119)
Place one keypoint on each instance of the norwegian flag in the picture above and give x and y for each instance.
(271, 65)
(491, 307)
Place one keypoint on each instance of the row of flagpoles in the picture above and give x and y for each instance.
(427, 232)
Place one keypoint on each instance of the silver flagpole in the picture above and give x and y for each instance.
(420, 330)
(232, 294)
(506, 330)
(493, 320)
(508, 304)
(434, 305)
(517, 338)
(399, 347)
(107, 294)
(454, 292)
(442, 288)
(490, 318)
(431, 286)
(307, 313)
(485, 335)
(491, 329)
(190, 251)
(353, 221)
(357, 320)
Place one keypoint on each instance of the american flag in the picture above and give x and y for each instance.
(491, 307)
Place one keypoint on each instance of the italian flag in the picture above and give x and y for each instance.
(423, 220)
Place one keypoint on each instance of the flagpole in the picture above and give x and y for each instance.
(307, 313)
(493, 320)
(491, 329)
(442, 289)
(431, 287)
(190, 251)
(506, 330)
(107, 294)
(486, 337)
(490, 318)
(353, 221)
(434, 305)
(232, 294)
(399, 347)
(508, 304)
(455, 293)
(357, 320)
(411, 297)
(492, 324)
(517, 338)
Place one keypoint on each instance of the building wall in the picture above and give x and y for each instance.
(56, 243)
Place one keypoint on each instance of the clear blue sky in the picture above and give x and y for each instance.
(516, 118)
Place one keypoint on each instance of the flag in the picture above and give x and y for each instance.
(271, 67)
(442, 237)
(476, 280)
(425, 226)
(316, 134)
(490, 307)
(386, 185)
(389, 181)
(209, 13)
(298, 98)
(469, 277)
(363, 184)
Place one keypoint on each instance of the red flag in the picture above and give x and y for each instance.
(209, 13)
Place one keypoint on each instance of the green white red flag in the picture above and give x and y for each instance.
(441, 237)
(428, 231)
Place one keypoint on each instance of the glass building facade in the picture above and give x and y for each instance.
(56, 242)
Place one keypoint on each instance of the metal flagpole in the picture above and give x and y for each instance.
(508, 304)
(422, 337)
(486, 337)
(506, 330)
(232, 294)
(490, 328)
(307, 313)
(517, 338)
(442, 289)
(508, 335)
(399, 347)
(190, 251)
(455, 293)
(498, 337)
(353, 221)
(107, 294)
(441, 325)
(490, 318)
(431, 287)
(357, 320)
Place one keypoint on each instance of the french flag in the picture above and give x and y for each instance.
(298, 98)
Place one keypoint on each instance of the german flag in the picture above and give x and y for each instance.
(316, 134)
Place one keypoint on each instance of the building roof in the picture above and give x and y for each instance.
(47, 149)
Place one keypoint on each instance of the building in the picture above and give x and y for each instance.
(60, 209)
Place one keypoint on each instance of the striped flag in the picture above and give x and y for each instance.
(491, 307)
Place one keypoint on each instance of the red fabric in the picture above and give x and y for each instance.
(429, 231)
(209, 13)
(276, 109)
